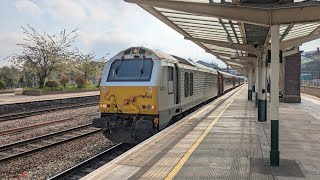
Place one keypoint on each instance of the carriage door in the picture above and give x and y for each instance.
(176, 85)
(170, 85)
(222, 83)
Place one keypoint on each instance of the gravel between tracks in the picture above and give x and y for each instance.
(53, 116)
(49, 162)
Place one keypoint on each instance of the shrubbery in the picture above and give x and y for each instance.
(64, 81)
(2, 85)
(81, 82)
(52, 84)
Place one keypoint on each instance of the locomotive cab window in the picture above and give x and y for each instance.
(186, 84)
(131, 70)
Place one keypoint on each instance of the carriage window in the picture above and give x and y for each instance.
(130, 70)
(191, 84)
(186, 84)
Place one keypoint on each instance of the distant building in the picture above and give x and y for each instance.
(215, 66)
(310, 65)
(230, 71)
(211, 65)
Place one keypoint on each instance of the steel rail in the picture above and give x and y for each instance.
(20, 129)
(52, 139)
(14, 116)
(89, 165)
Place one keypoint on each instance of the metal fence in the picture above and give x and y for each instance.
(314, 82)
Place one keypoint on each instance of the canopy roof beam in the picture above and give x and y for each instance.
(291, 52)
(297, 41)
(246, 58)
(290, 13)
(242, 47)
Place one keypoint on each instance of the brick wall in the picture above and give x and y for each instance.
(291, 68)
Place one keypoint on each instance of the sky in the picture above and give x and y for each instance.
(104, 26)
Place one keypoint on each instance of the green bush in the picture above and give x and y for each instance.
(64, 81)
(2, 84)
(52, 84)
(81, 82)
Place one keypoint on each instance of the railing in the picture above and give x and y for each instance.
(314, 82)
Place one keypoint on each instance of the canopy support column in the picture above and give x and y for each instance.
(262, 103)
(256, 82)
(250, 84)
(274, 105)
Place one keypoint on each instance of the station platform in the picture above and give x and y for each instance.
(11, 98)
(224, 140)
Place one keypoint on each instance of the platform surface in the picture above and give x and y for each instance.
(11, 98)
(223, 140)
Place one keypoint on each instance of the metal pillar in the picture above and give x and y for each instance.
(256, 83)
(262, 103)
(250, 84)
(274, 104)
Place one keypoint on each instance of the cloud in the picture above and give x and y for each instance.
(110, 26)
(103, 42)
(28, 7)
(310, 46)
(8, 46)
(65, 10)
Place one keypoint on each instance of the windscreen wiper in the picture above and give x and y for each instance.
(117, 68)
(141, 68)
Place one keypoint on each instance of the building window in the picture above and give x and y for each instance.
(191, 84)
(186, 84)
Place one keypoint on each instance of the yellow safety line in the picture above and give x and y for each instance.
(184, 159)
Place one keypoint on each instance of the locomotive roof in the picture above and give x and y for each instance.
(161, 56)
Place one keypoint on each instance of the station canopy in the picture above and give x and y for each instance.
(237, 31)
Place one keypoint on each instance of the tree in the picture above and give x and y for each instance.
(2, 84)
(81, 82)
(10, 75)
(88, 66)
(44, 53)
(64, 80)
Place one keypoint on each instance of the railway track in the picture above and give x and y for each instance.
(29, 146)
(21, 129)
(13, 116)
(80, 170)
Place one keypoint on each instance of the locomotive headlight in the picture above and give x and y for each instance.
(104, 105)
(135, 51)
(149, 107)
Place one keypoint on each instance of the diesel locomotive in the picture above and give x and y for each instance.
(142, 91)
